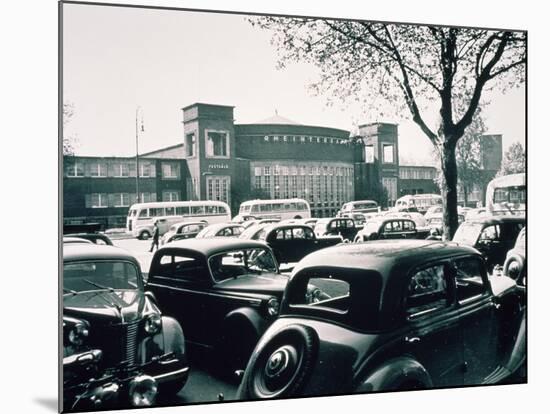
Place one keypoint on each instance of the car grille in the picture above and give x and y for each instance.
(131, 342)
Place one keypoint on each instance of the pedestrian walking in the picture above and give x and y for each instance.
(155, 236)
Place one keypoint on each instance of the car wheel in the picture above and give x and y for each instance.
(144, 235)
(513, 269)
(282, 366)
(297, 217)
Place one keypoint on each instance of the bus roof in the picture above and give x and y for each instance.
(154, 204)
(512, 180)
(278, 200)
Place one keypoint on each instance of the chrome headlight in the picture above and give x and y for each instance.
(153, 323)
(78, 334)
(272, 307)
(143, 391)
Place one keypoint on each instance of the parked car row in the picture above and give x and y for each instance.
(386, 313)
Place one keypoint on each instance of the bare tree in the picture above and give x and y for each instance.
(68, 140)
(412, 67)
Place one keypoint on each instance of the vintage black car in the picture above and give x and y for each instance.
(118, 348)
(183, 230)
(493, 236)
(390, 228)
(344, 227)
(220, 230)
(395, 315)
(515, 265)
(291, 242)
(224, 291)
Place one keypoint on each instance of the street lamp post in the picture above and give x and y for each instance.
(138, 198)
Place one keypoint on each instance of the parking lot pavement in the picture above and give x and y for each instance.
(139, 248)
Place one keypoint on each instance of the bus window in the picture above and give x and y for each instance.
(265, 207)
(211, 210)
(182, 211)
(144, 213)
(255, 208)
(197, 210)
(170, 211)
(156, 212)
(292, 206)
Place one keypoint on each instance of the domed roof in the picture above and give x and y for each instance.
(277, 119)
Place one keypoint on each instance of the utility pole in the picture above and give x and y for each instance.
(138, 198)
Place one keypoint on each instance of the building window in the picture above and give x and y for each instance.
(121, 169)
(369, 154)
(170, 170)
(217, 187)
(217, 144)
(98, 200)
(121, 199)
(257, 171)
(144, 169)
(388, 153)
(267, 170)
(75, 169)
(190, 145)
(170, 196)
(98, 169)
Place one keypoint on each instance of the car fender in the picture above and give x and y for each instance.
(514, 257)
(172, 336)
(517, 355)
(394, 374)
(245, 316)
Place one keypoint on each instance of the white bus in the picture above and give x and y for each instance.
(418, 202)
(506, 195)
(290, 208)
(141, 217)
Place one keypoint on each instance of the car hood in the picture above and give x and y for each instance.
(268, 283)
(107, 306)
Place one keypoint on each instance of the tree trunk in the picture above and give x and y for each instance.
(466, 190)
(449, 190)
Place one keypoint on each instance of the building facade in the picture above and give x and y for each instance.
(101, 189)
(273, 158)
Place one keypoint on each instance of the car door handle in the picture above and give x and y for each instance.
(412, 339)
(496, 305)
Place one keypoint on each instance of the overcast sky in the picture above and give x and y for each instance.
(116, 59)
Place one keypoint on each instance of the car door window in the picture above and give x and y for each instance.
(280, 235)
(489, 233)
(427, 291)
(469, 279)
(298, 233)
(308, 234)
(180, 267)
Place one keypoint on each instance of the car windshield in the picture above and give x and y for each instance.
(235, 263)
(467, 233)
(99, 275)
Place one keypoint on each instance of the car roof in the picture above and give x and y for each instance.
(277, 226)
(217, 226)
(212, 245)
(184, 223)
(383, 254)
(496, 219)
(90, 251)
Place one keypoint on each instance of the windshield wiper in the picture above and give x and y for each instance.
(110, 289)
(73, 292)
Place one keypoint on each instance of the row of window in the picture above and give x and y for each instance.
(407, 173)
(121, 169)
(302, 170)
(105, 200)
